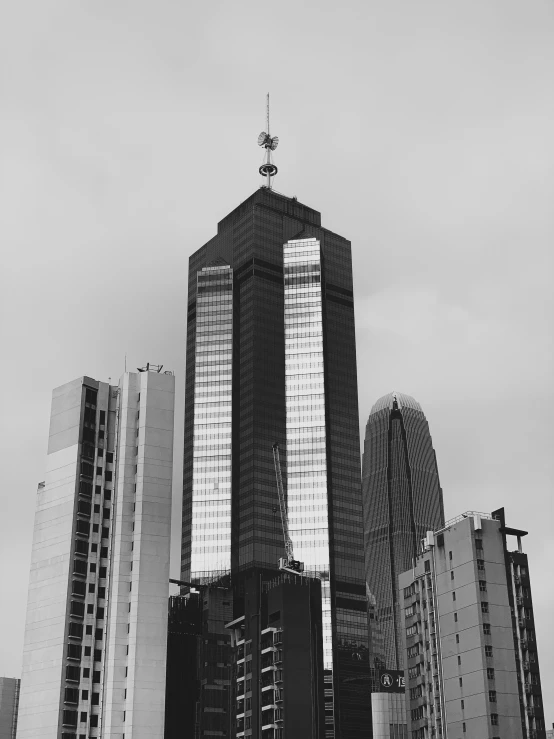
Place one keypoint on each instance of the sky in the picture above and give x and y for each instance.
(421, 131)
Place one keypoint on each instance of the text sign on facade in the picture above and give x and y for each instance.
(392, 681)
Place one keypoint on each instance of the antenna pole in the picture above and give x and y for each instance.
(268, 169)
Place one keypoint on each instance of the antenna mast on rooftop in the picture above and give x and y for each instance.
(268, 169)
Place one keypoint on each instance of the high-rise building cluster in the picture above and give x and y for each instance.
(318, 598)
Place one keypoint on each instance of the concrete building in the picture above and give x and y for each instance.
(9, 702)
(465, 660)
(96, 630)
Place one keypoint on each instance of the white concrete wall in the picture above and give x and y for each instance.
(43, 651)
(134, 697)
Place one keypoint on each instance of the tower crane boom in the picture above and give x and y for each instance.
(288, 562)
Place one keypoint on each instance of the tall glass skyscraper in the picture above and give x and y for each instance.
(271, 358)
(402, 501)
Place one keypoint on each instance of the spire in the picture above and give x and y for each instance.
(268, 169)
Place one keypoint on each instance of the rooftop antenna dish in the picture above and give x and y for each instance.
(270, 143)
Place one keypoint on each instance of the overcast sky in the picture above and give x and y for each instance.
(422, 131)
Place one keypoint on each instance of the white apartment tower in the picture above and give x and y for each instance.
(95, 636)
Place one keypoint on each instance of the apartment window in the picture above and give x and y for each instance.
(104, 552)
(479, 544)
(490, 673)
(90, 608)
(84, 695)
(108, 476)
(484, 606)
(105, 532)
(103, 572)
(461, 681)
(93, 721)
(78, 588)
(92, 567)
(480, 564)
(483, 586)
(95, 699)
(97, 489)
(453, 596)
(100, 613)
(87, 651)
(95, 528)
(494, 719)
(106, 513)
(459, 660)
(451, 574)
(109, 457)
(98, 655)
(457, 638)
(73, 673)
(450, 556)
(464, 726)
(462, 705)
(96, 676)
(99, 470)
(487, 629)
(455, 617)
(488, 650)
(89, 630)
(86, 672)
(100, 452)
(94, 548)
(102, 592)
(98, 634)
(427, 566)
(91, 587)
(77, 609)
(97, 507)
(83, 717)
(102, 417)
(492, 696)
(107, 495)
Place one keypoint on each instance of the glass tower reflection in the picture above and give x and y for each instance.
(212, 461)
(306, 436)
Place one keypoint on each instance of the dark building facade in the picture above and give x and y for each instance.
(402, 501)
(271, 358)
(277, 686)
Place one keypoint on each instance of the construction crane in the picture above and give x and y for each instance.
(287, 563)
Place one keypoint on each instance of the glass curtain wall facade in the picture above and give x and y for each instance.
(308, 513)
(212, 460)
(250, 241)
(402, 501)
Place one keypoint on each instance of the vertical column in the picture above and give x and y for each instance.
(307, 501)
(212, 461)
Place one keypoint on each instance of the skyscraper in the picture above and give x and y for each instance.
(402, 501)
(96, 630)
(9, 703)
(271, 358)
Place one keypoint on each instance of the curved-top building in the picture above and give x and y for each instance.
(402, 500)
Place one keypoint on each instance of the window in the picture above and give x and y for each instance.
(104, 552)
(77, 609)
(89, 630)
(109, 457)
(94, 548)
(91, 587)
(100, 613)
(97, 508)
(106, 513)
(455, 617)
(450, 556)
(459, 660)
(457, 638)
(103, 572)
(487, 629)
(492, 696)
(71, 695)
(95, 528)
(490, 673)
(90, 608)
(107, 494)
(105, 532)
(480, 564)
(87, 652)
(427, 566)
(451, 574)
(83, 527)
(98, 634)
(464, 726)
(102, 418)
(483, 586)
(99, 470)
(462, 705)
(86, 672)
(96, 676)
(98, 655)
(494, 719)
(95, 699)
(83, 717)
(93, 721)
(488, 650)
(84, 695)
(453, 596)
(97, 489)
(461, 681)
(108, 476)
(92, 567)
(102, 592)
(78, 588)
(72, 672)
(70, 719)
(479, 544)
(484, 606)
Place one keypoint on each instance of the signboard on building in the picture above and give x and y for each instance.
(392, 681)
